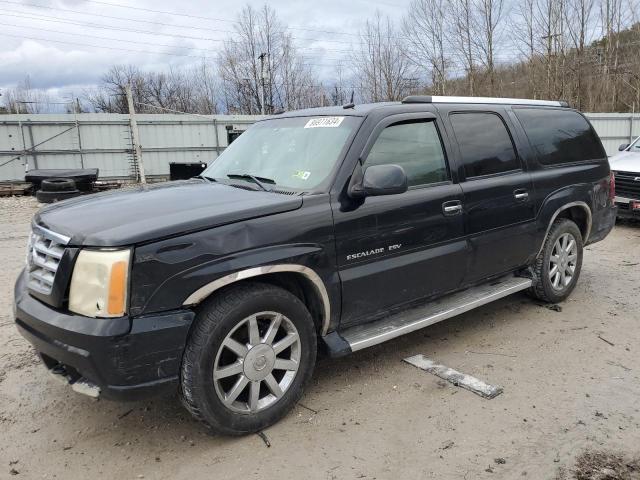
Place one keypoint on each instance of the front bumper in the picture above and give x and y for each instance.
(625, 207)
(121, 358)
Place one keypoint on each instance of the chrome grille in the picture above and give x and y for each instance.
(628, 184)
(44, 254)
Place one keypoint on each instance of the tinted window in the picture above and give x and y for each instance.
(295, 152)
(559, 136)
(485, 144)
(415, 147)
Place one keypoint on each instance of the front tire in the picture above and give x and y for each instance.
(249, 357)
(557, 267)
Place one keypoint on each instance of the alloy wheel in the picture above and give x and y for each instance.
(563, 260)
(257, 362)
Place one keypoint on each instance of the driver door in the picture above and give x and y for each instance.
(397, 249)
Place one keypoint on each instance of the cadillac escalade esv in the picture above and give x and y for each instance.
(339, 227)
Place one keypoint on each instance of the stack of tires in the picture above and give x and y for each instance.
(57, 189)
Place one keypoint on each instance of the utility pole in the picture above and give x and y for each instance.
(262, 81)
(76, 110)
(135, 137)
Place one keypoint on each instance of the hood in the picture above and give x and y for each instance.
(626, 162)
(163, 210)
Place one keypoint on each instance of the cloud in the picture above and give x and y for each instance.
(48, 65)
(56, 66)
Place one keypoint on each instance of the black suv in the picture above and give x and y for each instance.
(342, 226)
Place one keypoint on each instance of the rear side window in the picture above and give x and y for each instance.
(559, 136)
(485, 144)
(416, 147)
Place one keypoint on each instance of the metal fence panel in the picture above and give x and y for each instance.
(615, 129)
(103, 141)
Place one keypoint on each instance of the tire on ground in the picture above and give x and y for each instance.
(543, 288)
(226, 314)
(58, 185)
(50, 197)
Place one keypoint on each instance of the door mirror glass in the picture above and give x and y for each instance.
(384, 180)
(623, 147)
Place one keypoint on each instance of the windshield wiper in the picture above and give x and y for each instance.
(260, 181)
(204, 177)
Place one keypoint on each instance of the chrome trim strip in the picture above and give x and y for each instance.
(493, 100)
(624, 200)
(561, 209)
(56, 237)
(206, 290)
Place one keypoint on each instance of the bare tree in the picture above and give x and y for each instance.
(578, 21)
(491, 14)
(525, 31)
(109, 96)
(426, 38)
(262, 55)
(190, 91)
(463, 38)
(23, 98)
(381, 67)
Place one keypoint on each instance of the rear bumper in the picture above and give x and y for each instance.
(121, 358)
(625, 209)
(602, 223)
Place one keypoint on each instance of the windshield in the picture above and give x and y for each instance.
(635, 145)
(296, 153)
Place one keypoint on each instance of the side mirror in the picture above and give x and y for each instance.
(380, 180)
(623, 147)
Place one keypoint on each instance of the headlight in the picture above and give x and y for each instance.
(99, 283)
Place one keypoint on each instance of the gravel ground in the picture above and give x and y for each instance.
(570, 403)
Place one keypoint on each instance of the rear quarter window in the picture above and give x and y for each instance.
(560, 136)
(485, 144)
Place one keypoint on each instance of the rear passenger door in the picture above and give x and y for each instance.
(396, 249)
(498, 192)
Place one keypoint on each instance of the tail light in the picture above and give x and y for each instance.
(612, 187)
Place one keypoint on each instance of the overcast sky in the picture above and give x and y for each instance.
(54, 41)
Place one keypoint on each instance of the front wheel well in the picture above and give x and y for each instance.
(293, 282)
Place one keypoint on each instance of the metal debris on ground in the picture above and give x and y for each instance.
(554, 307)
(616, 364)
(315, 412)
(264, 438)
(447, 445)
(122, 415)
(458, 379)
(607, 341)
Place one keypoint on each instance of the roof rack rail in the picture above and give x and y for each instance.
(490, 100)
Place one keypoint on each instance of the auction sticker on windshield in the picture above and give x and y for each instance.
(324, 122)
(302, 175)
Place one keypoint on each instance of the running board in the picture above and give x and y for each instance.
(363, 336)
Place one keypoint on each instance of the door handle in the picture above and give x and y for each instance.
(521, 195)
(451, 208)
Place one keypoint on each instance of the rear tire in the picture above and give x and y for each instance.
(250, 354)
(557, 267)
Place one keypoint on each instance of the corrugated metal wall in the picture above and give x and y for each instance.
(103, 141)
(615, 128)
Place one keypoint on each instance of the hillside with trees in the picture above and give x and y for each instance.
(582, 51)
